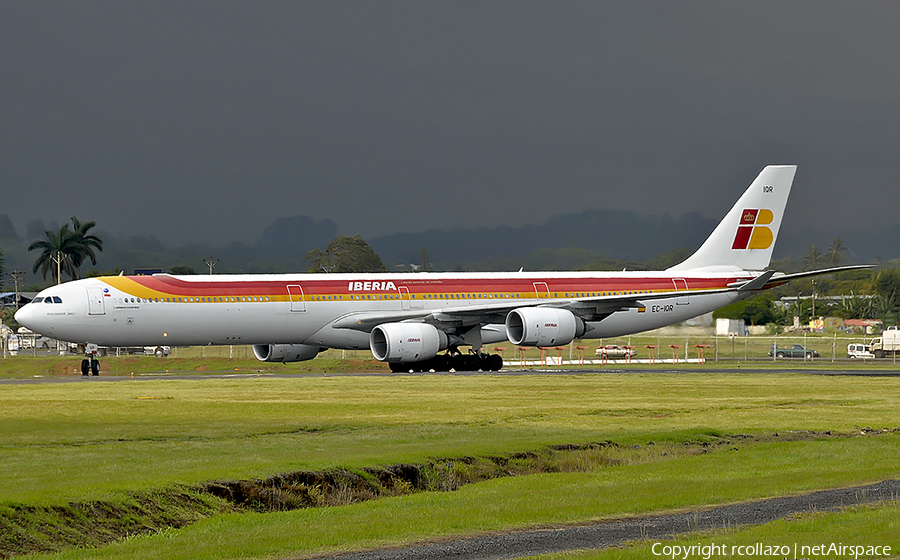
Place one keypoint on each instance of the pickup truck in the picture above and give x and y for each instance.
(795, 351)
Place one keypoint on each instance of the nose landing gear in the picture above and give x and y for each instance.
(90, 365)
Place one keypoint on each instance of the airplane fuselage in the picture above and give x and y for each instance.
(308, 308)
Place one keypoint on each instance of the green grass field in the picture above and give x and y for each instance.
(96, 440)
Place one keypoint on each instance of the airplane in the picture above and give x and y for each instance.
(420, 321)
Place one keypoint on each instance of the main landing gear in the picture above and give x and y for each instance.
(456, 362)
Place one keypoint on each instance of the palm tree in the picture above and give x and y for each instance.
(83, 244)
(887, 288)
(814, 258)
(833, 253)
(55, 252)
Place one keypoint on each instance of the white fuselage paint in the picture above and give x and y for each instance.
(121, 319)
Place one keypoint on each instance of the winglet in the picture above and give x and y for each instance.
(745, 238)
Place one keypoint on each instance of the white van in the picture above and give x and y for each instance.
(859, 351)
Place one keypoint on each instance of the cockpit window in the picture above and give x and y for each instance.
(37, 300)
(48, 299)
(57, 299)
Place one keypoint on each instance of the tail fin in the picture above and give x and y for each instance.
(744, 239)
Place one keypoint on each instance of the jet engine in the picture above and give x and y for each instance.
(406, 342)
(542, 326)
(284, 352)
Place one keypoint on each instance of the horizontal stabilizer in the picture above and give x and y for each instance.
(783, 278)
(757, 283)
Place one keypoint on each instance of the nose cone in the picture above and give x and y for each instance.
(25, 316)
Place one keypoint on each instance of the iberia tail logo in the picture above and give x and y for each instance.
(753, 231)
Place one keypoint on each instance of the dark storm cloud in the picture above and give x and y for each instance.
(213, 119)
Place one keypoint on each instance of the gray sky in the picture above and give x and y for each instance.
(209, 120)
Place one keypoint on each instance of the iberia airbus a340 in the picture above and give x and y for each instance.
(409, 320)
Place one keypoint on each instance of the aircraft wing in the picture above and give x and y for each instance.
(457, 317)
(588, 308)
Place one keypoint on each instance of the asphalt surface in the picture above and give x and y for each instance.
(652, 528)
(230, 374)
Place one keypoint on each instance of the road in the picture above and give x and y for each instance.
(618, 531)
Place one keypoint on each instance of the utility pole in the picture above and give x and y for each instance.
(211, 263)
(813, 316)
(58, 257)
(16, 275)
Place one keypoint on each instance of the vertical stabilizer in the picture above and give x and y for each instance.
(744, 239)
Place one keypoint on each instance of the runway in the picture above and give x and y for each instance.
(229, 374)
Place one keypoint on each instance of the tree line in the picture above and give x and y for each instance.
(65, 250)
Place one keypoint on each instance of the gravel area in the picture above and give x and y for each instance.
(614, 532)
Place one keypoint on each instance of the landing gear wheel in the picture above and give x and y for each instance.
(398, 367)
(494, 362)
(85, 367)
(159, 353)
(441, 362)
(469, 362)
(95, 367)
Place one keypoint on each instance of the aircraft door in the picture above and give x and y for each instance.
(681, 286)
(541, 290)
(404, 297)
(295, 294)
(95, 301)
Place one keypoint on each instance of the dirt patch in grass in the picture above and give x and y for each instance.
(42, 529)
(64, 368)
(28, 529)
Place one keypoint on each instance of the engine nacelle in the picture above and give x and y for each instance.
(542, 326)
(406, 342)
(284, 352)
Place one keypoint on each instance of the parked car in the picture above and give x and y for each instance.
(28, 339)
(615, 352)
(795, 351)
(859, 351)
(158, 351)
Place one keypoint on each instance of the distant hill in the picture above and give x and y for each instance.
(613, 234)
(593, 239)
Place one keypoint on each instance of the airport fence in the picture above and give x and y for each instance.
(680, 348)
(648, 347)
